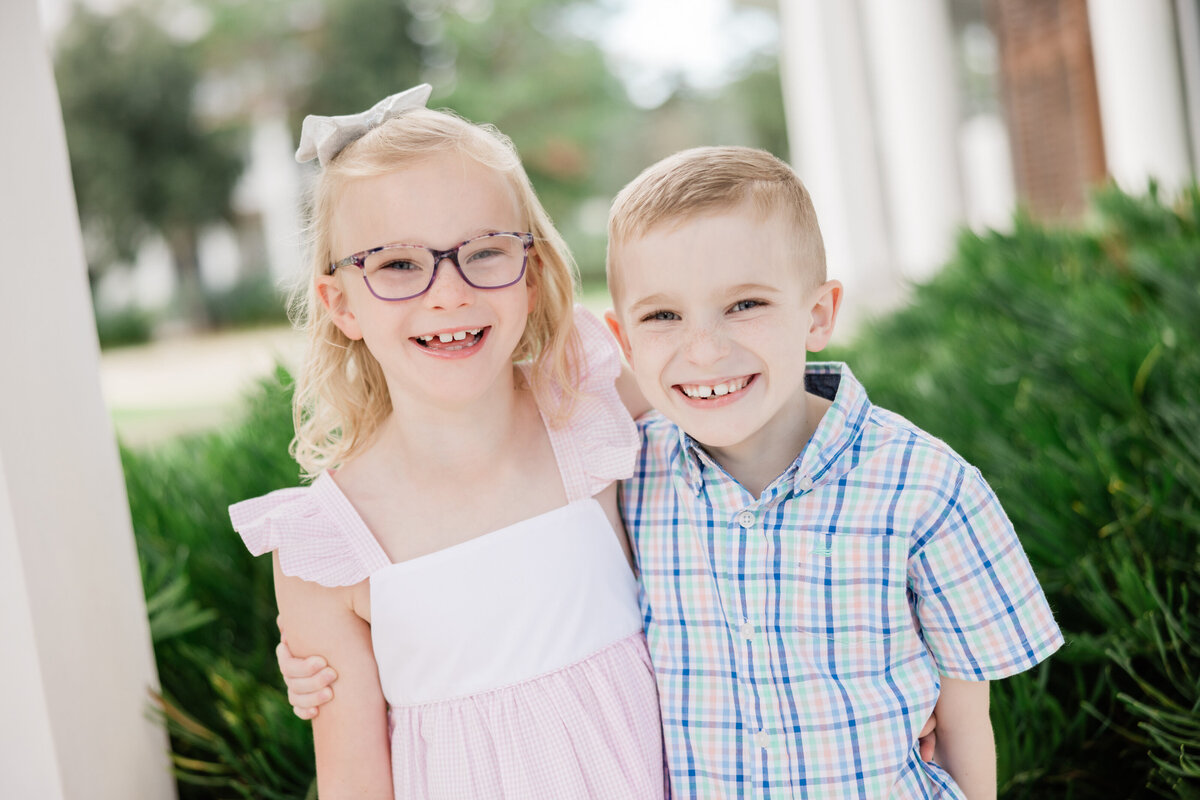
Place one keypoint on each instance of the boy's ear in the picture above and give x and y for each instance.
(826, 300)
(334, 300)
(614, 325)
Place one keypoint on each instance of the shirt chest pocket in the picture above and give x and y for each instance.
(847, 588)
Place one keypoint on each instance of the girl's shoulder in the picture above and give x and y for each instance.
(316, 532)
(598, 442)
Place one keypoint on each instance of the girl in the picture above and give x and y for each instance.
(458, 553)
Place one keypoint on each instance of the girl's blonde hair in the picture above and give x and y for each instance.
(340, 395)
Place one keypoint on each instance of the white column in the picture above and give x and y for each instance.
(76, 643)
(831, 138)
(909, 52)
(1187, 21)
(1141, 96)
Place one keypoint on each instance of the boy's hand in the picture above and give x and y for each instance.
(308, 680)
(927, 738)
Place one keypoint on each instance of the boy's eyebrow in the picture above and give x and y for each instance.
(763, 288)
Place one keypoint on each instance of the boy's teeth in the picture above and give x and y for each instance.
(458, 337)
(704, 392)
(446, 337)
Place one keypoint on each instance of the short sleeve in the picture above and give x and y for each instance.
(312, 543)
(599, 443)
(980, 607)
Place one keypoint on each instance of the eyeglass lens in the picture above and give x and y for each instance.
(486, 262)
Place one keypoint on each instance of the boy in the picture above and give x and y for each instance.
(818, 574)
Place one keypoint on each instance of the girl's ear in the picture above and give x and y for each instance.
(618, 332)
(826, 300)
(329, 289)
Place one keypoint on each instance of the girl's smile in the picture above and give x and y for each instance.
(452, 343)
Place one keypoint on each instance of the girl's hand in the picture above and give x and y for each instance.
(308, 679)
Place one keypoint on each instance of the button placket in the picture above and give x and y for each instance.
(746, 519)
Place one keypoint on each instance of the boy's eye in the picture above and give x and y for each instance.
(745, 305)
(660, 316)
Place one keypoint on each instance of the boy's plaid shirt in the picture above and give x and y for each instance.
(797, 638)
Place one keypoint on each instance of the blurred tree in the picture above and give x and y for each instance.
(142, 162)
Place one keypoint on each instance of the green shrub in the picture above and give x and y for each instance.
(125, 327)
(212, 605)
(1065, 365)
(253, 300)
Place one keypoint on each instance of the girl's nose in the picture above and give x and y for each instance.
(448, 290)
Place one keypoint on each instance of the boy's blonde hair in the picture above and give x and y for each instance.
(341, 396)
(707, 180)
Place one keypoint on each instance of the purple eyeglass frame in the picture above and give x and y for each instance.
(359, 260)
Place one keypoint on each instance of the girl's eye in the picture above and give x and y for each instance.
(745, 305)
(399, 264)
(660, 316)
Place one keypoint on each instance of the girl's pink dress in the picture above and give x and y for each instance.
(514, 664)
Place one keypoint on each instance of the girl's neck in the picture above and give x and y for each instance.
(457, 437)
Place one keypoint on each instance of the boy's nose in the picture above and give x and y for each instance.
(706, 346)
(448, 290)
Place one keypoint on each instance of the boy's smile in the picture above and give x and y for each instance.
(715, 315)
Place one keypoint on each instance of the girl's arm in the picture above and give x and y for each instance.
(966, 747)
(351, 734)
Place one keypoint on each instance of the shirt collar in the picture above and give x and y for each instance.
(838, 429)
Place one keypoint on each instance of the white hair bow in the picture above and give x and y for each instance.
(323, 138)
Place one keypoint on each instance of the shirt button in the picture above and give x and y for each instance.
(746, 519)
(762, 739)
(747, 631)
(804, 484)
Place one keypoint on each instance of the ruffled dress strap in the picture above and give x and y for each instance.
(599, 443)
(318, 534)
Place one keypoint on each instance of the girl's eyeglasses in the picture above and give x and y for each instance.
(405, 271)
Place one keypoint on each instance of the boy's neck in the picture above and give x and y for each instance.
(756, 462)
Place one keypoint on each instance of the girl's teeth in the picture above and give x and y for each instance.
(446, 337)
(721, 389)
(458, 337)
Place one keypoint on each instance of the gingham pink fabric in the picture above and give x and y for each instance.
(587, 729)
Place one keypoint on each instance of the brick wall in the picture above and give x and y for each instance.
(1048, 88)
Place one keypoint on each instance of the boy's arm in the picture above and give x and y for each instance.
(966, 747)
(351, 735)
